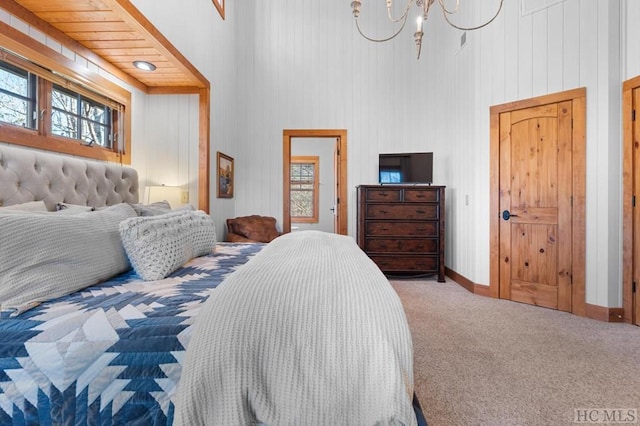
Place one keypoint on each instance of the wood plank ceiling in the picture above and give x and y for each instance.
(118, 33)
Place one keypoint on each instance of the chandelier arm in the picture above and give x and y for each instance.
(381, 40)
(444, 13)
(445, 10)
(403, 17)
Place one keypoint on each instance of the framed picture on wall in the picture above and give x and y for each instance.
(225, 176)
(219, 4)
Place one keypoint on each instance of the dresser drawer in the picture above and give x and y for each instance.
(402, 229)
(407, 245)
(403, 211)
(378, 194)
(423, 195)
(406, 263)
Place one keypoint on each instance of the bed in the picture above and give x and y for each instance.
(154, 339)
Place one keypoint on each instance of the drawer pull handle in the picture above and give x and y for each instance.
(420, 211)
(384, 229)
(384, 194)
(421, 229)
(384, 211)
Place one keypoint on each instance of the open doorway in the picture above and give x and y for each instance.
(294, 145)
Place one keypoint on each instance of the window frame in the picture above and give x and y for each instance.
(31, 98)
(307, 159)
(80, 100)
(52, 68)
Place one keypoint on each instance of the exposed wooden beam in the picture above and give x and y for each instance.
(137, 20)
(204, 144)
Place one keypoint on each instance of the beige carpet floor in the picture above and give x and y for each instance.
(484, 361)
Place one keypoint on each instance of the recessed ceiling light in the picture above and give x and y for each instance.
(144, 65)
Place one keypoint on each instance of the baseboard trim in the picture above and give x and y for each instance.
(459, 279)
(600, 313)
(479, 289)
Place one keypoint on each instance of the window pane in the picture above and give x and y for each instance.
(93, 132)
(302, 171)
(306, 171)
(64, 101)
(63, 124)
(13, 110)
(14, 80)
(93, 111)
(295, 172)
(301, 203)
(17, 102)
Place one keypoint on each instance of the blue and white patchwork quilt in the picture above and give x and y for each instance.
(111, 353)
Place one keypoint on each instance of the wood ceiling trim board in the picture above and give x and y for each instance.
(118, 44)
(137, 20)
(94, 27)
(78, 16)
(102, 36)
(53, 6)
(125, 51)
(25, 15)
(158, 60)
(174, 90)
(172, 85)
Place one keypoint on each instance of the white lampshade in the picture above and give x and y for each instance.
(172, 194)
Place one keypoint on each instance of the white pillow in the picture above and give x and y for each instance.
(153, 209)
(45, 256)
(158, 245)
(31, 206)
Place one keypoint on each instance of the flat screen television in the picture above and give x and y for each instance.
(406, 168)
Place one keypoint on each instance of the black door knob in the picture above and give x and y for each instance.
(506, 215)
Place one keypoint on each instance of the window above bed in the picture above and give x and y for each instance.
(45, 109)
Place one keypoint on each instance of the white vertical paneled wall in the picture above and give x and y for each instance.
(169, 126)
(163, 153)
(303, 65)
(299, 64)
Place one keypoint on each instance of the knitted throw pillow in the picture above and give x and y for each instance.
(158, 245)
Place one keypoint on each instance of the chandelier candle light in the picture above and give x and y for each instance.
(424, 6)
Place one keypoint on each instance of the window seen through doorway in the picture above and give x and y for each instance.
(304, 189)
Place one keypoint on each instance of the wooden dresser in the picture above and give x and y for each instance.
(401, 228)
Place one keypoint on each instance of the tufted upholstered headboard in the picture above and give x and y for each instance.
(27, 175)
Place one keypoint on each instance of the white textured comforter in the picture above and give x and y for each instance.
(309, 332)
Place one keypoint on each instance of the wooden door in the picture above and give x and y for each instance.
(630, 207)
(538, 174)
(337, 217)
(635, 298)
(535, 205)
